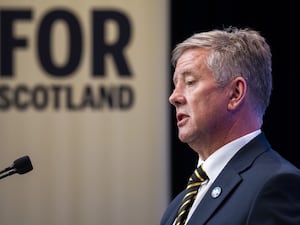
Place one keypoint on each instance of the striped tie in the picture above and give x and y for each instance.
(195, 181)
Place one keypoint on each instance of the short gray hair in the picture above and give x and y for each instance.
(236, 52)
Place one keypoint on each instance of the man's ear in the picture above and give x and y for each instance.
(238, 88)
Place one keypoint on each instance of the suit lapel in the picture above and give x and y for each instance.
(210, 203)
(228, 179)
(174, 208)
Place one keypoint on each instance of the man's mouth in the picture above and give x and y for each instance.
(181, 119)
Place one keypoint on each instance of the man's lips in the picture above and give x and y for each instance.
(181, 119)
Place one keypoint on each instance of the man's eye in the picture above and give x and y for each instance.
(190, 82)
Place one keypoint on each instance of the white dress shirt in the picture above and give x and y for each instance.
(215, 163)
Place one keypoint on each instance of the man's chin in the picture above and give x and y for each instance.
(183, 137)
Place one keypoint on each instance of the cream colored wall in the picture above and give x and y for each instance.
(91, 167)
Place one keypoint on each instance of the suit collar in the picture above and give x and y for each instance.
(229, 178)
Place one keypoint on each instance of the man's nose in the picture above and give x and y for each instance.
(177, 98)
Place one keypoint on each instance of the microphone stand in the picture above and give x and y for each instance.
(7, 174)
(21, 165)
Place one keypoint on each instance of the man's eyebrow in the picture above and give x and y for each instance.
(184, 74)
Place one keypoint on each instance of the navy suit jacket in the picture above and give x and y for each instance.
(258, 187)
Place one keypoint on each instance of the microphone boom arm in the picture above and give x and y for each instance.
(21, 165)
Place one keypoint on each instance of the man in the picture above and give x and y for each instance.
(222, 87)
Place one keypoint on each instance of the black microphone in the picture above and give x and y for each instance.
(21, 165)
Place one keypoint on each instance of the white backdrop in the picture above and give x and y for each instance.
(105, 162)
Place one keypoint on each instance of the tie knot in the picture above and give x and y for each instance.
(199, 175)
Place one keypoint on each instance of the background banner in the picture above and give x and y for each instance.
(83, 92)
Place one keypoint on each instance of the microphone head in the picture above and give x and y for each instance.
(22, 165)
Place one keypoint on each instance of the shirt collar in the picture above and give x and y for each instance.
(215, 163)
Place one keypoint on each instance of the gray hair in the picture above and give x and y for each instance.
(236, 52)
